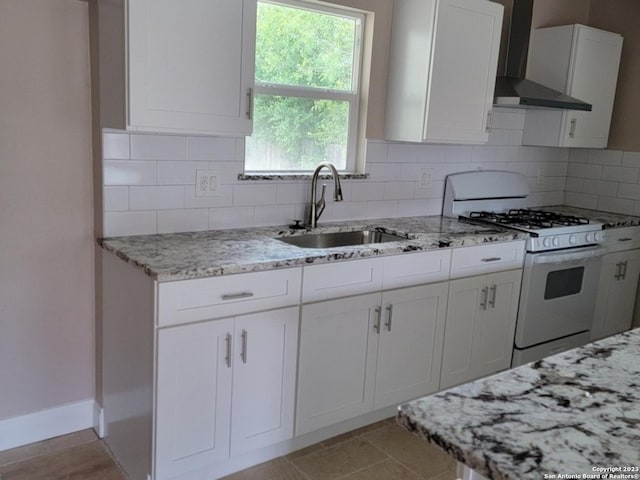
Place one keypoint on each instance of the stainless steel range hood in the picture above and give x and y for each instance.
(513, 90)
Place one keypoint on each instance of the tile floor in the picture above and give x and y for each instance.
(382, 451)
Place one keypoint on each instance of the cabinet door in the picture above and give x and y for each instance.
(493, 336)
(463, 71)
(480, 326)
(338, 345)
(191, 65)
(467, 298)
(193, 397)
(616, 294)
(593, 75)
(264, 375)
(410, 344)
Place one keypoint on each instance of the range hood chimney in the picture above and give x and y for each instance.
(513, 90)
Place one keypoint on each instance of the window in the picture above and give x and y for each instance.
(307, 87)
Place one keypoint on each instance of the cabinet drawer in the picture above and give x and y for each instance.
(203, 298)
(621, 239)
(341, 279)
(416, 268)
(466, 261)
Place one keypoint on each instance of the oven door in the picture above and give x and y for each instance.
(558, 294)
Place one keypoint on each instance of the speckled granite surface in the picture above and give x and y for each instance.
(217, 252)
(562, 415)
(610, 220)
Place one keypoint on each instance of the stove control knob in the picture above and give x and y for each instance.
(572, 239)
(589, 238)
(546, 242)
(597, 237)
(556, 242)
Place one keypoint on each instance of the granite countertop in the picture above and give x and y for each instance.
(610, 220)
(178, 256)
(565, 414)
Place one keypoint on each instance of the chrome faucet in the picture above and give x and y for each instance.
(317, 207)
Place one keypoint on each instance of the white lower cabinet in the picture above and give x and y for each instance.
(367, 352)
(481, 322)
(616, 293)
(224, 387)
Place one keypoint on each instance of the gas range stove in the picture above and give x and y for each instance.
(499, 198)
(548, 230)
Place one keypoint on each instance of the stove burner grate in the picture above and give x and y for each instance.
(530, 219)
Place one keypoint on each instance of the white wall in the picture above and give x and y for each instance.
(46, 240)
(150, 180)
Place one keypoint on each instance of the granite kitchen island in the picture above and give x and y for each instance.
(571, 415)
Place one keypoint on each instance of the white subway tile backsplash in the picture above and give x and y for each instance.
(402, 153)
(158, 147)
(399, 190)
(231, 217)
(254, 194)
(605, 157)
(183, 220)
(156, 197)
(363, 191)
(127, 172)
(129, 223)
(621, 174)
(116, 199)
(149, 180)
(211, 148)
(377, 152)
(583, 170)
(274, 215)
(223, 198)
(631, 159)
(616, 205)
(179, 173)
(382, 209)
(115, 146)
(600, 187)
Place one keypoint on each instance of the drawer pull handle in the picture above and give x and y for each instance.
(492, 259)
(376, 325)
(243, 352)
(236, 296)
(390, 313)
(227, 357)
(625, 239)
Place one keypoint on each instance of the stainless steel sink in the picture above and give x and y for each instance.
(340, 239)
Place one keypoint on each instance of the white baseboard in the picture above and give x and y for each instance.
(98, 420)
(53, 422)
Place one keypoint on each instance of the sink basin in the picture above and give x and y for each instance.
(340, 239)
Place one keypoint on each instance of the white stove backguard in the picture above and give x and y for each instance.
(492, 190)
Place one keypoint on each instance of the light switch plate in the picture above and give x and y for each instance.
(426, 175)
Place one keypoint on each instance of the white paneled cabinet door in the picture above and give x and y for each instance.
(616, 294)
(410, 344)
(442, 70)
(480, 326)
(191, 65)
(193, 397)
(463, 70)
(264, 375)
(336, 374)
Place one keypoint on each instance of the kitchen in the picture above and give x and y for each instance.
(598, 179)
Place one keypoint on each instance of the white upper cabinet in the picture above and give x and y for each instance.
(183, 67)
(582, 62)
(442, 70)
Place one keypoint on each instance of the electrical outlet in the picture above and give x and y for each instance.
(206, 183)
(426, 175)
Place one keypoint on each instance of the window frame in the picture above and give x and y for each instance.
(352, 96)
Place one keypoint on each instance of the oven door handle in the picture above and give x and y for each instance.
(566, 256)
